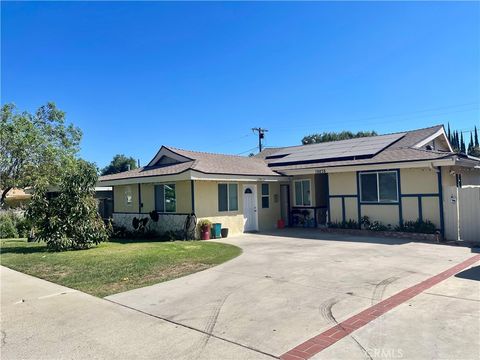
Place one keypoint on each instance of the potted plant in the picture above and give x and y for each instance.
(205, 226)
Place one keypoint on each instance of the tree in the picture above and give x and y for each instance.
(476, 138)
(449, 135)
(71, 219)
(462, 144)
(119, 164)
(34, 146)
(334, 136)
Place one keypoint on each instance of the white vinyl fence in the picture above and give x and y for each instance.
(462, 213)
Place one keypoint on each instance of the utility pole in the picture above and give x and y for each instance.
(261, 135)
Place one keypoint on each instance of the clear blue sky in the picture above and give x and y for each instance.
(199, 76)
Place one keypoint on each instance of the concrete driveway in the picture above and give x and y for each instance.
(286, 288)
(290, 285)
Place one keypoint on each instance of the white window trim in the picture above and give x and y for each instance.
(309, 191)
(228, 197)
(265, 196)
(378, 187)
(164, 201)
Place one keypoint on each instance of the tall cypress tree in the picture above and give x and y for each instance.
(476, 137)
(462, 144)
(470, 144)
(449, 135)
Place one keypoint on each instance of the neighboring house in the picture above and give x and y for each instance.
(389, 178)
(17, 198)
(103, 195)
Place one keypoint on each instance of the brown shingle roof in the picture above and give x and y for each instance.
(150, 171)
(225, 164)
(207, 163)
(400, 151)
(210, 163)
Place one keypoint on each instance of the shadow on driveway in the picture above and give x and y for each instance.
(471, 274)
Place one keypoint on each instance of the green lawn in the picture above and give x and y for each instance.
(114, 267)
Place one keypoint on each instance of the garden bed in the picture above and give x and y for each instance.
(392, 234)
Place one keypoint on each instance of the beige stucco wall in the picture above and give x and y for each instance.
(410, 208)
(431, 210)
(342, 183)
(120, 201)
(147, 192)
(386, 214)
(415, 181)
(206, 206)
(335, 209)
(412, 181)
(351, 209)
(183, 196)
(268, 217)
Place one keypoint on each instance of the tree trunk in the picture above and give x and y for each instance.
(4, 195)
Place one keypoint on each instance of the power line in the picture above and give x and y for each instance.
(337, 124)
(474, 104)
(246, 151)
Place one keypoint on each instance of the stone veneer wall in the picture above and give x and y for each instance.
(392, 234)
(166, 222)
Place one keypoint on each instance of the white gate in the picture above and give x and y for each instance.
(462, 213)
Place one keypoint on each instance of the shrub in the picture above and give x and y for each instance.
(71, 219)
(7, 227)
(374, 225)
(350, 224)
(204, 224)
(418, 226)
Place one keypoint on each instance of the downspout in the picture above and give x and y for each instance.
(438, 170)
(192, 187)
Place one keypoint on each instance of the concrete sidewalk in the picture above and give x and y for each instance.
(42, 320)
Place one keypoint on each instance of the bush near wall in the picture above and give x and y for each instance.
(13, 225)
(418, 226)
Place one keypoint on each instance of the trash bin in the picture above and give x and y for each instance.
(216, 231)
(224, 232)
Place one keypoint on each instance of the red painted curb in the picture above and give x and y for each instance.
(320, 342)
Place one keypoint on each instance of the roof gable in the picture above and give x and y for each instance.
(165, 156)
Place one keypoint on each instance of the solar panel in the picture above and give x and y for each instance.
(335, 149)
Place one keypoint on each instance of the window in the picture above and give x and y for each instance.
(165, 200)
(227, 197)
(265, 196)
(379, 187)
(302, 193)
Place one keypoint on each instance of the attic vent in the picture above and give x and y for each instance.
(429, 147)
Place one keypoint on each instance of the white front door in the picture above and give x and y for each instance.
(250, 215)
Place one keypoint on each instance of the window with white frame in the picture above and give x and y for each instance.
(265, 196)
(227, 197)
(302, 193)
(379, 187)
(165, 198)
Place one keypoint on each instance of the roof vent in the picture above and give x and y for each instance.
(429, 147)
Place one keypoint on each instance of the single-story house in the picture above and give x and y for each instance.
(17, 198)
(390, 178)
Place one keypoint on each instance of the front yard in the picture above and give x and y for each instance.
(114, 267)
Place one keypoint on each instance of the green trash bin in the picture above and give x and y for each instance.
(216, 231)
